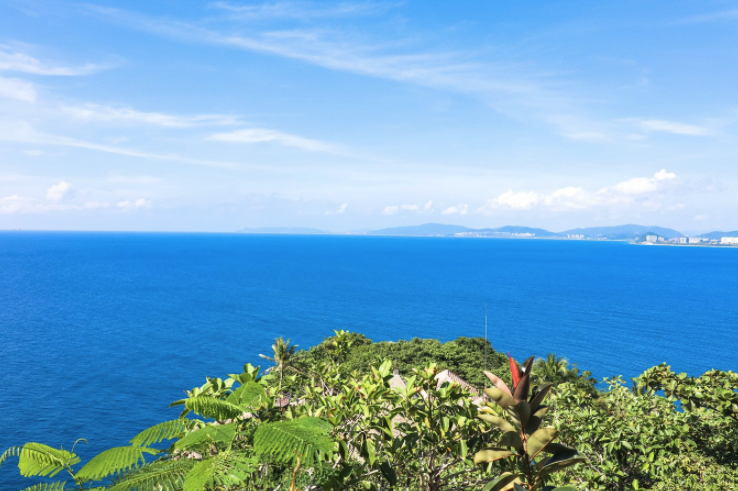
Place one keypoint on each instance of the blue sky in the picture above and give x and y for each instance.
(215, 116)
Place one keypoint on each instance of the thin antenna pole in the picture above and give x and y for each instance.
(485, 338)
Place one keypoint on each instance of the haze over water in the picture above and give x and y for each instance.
(99, 332)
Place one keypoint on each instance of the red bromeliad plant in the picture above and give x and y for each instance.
(519, 415)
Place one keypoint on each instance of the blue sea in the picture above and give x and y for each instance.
(99, 332)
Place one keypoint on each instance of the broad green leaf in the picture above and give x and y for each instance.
(248, 396)
(501, 482)
(560, 461)
(501, 398)
(511, 439)
(389, 473)
(498, 382)
(491, 455)
(540, 396)
(538, 441)
(497, 421)
(521, 410)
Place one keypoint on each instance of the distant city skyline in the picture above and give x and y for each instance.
(225, 115)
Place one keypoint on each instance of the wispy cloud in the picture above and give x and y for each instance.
(303, 10)
(674, 127)
(96, 112)
(723, 15)
(504, 85)
(18, 89)
(12, 60)
(572, 198)
(261, 135)
(22, 132)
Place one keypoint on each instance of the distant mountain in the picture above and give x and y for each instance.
(622, 232)
(435, 229)
(718, 235)
(282, 230)
(512, 229)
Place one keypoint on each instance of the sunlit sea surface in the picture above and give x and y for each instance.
(99, 332)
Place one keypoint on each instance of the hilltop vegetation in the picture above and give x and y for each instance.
(338, 417)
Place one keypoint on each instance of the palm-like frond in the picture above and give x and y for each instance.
(286, 440)
(47, 486)
(37, 459)
(157, 476)
(208, 434)
(211, 407)
(162, 431)
(113, 461)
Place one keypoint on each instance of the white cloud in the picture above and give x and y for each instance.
(523, 200)
(34, 153)
(390, 210)
(15, 88)
(341, 209)
(642, 185)
(701, 217)
(673, 127)
(15, 61)
(410, 207)
(95, 112)
(58, 192)
(134, 205)
(260, 135)
(428, 206)
(628, 192)
(460, 209)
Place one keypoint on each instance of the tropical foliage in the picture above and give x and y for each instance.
(354, 415)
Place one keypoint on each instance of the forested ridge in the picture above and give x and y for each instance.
(350, 414)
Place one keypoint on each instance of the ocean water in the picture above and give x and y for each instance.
(99, 332)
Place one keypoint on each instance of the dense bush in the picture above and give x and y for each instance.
(335, 417)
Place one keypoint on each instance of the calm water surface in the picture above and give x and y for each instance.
(100, 331)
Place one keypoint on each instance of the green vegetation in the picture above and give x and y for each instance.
(350, 414)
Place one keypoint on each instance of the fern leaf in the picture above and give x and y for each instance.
(248, 396)
(208, 434)
(11, 452)
(238, 469)
(162, 431)
(286, 440)
(49, 486)
(157, 476)
(37, 459)
(212, 407)
(202, 474)
(112, 461)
